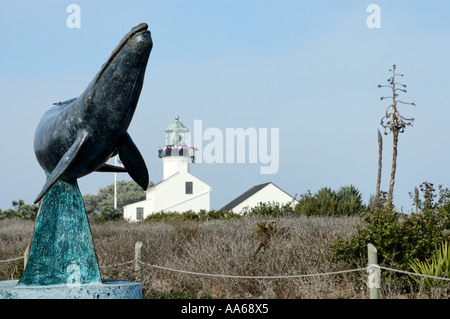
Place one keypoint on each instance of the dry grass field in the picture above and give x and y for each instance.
(250, 246)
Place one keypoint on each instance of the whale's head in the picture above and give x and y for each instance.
(115, 91)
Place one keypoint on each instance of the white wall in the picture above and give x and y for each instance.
(129, 211)
(195, 204)
(174, 164)
(170, 195)
(268, 194)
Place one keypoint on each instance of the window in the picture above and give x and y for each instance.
(189, 188)
(139, 213)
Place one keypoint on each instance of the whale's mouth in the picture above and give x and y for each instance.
(141, 28)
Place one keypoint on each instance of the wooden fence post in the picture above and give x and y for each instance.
(137, 256)
(373, 280)
(26, 255)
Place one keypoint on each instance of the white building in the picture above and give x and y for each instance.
(179, 190)
(264, 193)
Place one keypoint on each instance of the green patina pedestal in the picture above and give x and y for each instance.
(62, 262)
(62, 251)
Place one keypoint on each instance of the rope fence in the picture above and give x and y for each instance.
(12, 259)
(115, 265)
(373, 270)
(251, 277)
(413, 273)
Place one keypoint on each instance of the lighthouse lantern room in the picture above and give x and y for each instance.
(177, 154)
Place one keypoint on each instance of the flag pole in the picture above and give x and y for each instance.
(115, 184)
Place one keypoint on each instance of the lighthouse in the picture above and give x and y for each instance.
(177, 153)
(179, 190)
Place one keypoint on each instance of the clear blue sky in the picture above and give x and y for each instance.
(309, 68)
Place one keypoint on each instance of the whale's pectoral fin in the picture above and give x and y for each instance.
(111, 169)
(65, 102)
(63, 164)
(133, 162)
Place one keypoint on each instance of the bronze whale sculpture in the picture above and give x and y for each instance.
(78, 136)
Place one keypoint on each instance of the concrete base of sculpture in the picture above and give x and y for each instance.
(108, 289)
(62, 250)
(62, 262)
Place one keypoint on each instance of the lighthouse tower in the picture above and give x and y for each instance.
(177, 154)
(179, 191)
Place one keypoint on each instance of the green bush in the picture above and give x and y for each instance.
(438, 265)
(327, 202)
(166, 216)
(349, 201)
(205, 215)
(20, 210)
(106, 214)
(382, 229)
(272, 209)
(202, 215)
(399, 238)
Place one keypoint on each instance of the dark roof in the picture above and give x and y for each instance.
(243, 197)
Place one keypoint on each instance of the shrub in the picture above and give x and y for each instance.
(381, 230)
(20, 210)
(272, 209)
(165, 216)
(106, 214)
(349, 201)
(438, 266)
(399, 238)
(307, 205)
(202, 215)
(205, 215)
(265, 231)
(327, 202)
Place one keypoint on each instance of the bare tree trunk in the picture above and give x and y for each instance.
(380, 154)
(394, 167)
(396, 124)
